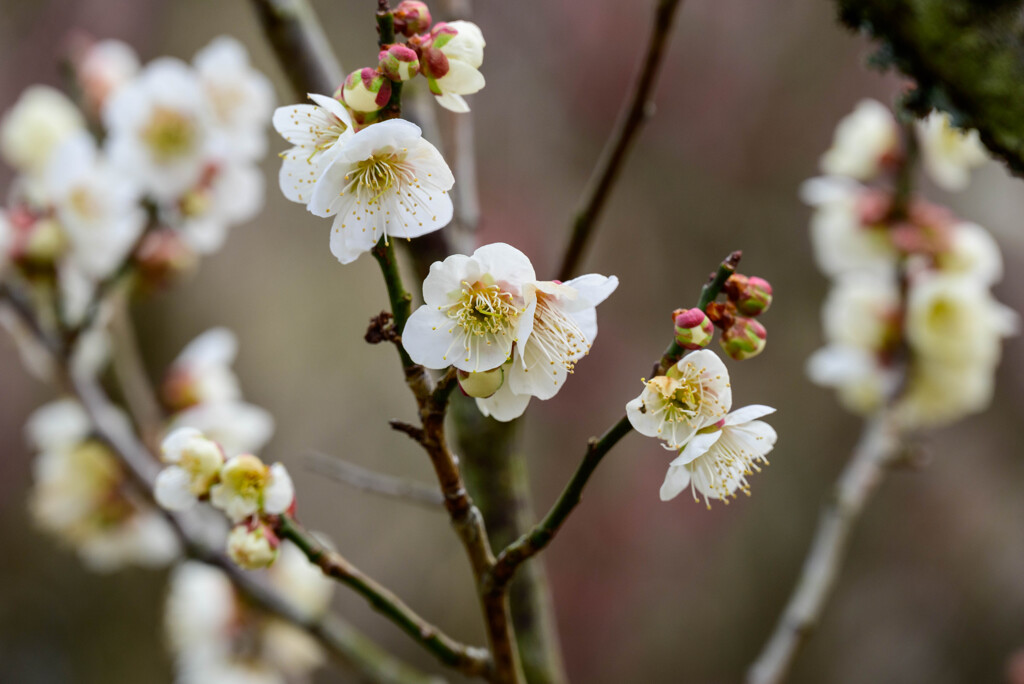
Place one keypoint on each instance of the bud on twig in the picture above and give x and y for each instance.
(399, 63)
(366, 90)
(411, 17)
(694, 329)
(744, 339)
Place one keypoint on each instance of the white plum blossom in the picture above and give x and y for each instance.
(564, 328)
(858, 375)
(194, 464)
(248, 487)
(79, 494)
(385, 181)
(451, 63)
(862, 310)
(950, 316)
(97, 206)
(226, 194)
(239, 427)
(864, 140)
(972, 253)
(716, 461)
(240, 98)
(942, 390)
(692, 395)
(949, 153)
(474, 310)
(841, 242)
(317, 132)
(202, 373)
(159, 128)
(252, 547)
(103, 68)
(35, 126)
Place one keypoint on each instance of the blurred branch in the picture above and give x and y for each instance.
(466, 659)
(132, 376)
(876, 453)
(367, 480)
(534, 541)
(298, 39)
(638, 108)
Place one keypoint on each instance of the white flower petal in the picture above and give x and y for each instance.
(279, 493)
(699, 445)
(748, 413)
(504, 405)
(172, 489)
(677, 479)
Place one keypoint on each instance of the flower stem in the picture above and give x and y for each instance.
(466, 659)
(637, 109)
(534, 541)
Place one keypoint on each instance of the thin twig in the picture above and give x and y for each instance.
(466, 659)
(636, 111)
(877, 452)
(371, 481)
(534, 541)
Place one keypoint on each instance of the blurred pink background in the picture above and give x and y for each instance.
(646, 591)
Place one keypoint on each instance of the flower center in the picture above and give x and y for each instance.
(722, 471)
(482, 308)
(681, 397)
(556, 335)
(84, 203)
(380, 173)
(169, 133)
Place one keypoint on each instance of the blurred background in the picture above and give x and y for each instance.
(645, 591)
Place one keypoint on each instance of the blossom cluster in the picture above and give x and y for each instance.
(80, 494)
(510, 336)
(152, 168)
(911, 282)
(246, 490)
(216, 635)
(447, 54)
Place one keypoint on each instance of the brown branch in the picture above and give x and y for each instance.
(367, 480)
(877, 452)
(466, 659)
(132, 376)
(637, 109)
(295, 33)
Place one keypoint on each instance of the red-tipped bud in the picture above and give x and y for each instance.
(744, 339)
(434, 63)
(481, 385)
(755, 298)
(694, 329)
(411, 17)
(253, 546)
(366, 90)
(399, 63)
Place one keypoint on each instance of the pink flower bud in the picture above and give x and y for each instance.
(433, 63)
(694, 329)
(366, 90)
(755, 298)
(399, 63)
(744, 339)
(164, 258)
(481, 385)
(411, 17)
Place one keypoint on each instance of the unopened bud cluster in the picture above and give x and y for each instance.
(448, 54)
(742, 336)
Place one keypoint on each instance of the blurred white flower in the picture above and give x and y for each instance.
(241, 98)
(693, 394)
(159, 128)
(385, 181)
(716, 461)
(35, 126)
(942, 390)
(200, 617)
(972, 253)
(949, 154)
(857, 374)
(474, 310)
(564, 328)
(202, 372)
(317, 133)
(864, 140)
(863, 311)
(103, 68)
(97, 206)
(451, 62)
(248, 487)
(194, 464)
(79, 494)
(239, 427)
(227, 194)
(252, 547)
(841, 242)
